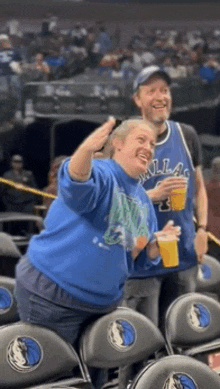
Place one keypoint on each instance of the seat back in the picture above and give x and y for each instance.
(32, 354)
(192, 319)
(208, 277)
(9, 255)
(8, 305)
(119, 338)
(172, 372)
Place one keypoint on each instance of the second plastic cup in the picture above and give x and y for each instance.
(168, 252)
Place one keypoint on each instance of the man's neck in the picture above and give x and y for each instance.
(159, 128)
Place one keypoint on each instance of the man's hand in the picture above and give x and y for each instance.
(201, 244)
(163, 190)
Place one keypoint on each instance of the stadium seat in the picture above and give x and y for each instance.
(172, 372)
(119, 338)
(8, 306)
(34, 355)
(192, 328)
(9, 255)
(208, 277)
(123, 336)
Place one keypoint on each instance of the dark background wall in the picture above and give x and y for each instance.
(120, 11)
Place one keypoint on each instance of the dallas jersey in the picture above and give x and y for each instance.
(172, 158)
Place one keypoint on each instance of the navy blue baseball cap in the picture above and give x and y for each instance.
(148, 72)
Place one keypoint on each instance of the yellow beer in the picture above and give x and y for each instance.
(178, 198)
(168, 252)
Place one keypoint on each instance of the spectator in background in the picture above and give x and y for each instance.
(116, 38)
(108, 62)
(17, 200)
(78, 35)
(10, 68)
(175, 67)
(210, 70)
(38, 70)
(92, 59)
(51, 188)
(41, 67)
(139, 39)
(117, 72)
(7, 57)
(104, 40)
(213, 193)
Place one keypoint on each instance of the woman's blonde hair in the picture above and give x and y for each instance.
(123, 130)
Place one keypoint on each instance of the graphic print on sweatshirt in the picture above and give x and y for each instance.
(127, 223)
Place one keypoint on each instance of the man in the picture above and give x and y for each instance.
(10, 68)
(17, 200)
(177, 158)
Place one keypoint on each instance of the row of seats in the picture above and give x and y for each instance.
(36, 357)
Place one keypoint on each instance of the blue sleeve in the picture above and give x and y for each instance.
(81, 197)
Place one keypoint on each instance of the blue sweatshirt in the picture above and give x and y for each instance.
(90, 233)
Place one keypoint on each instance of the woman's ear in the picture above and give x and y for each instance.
(136, 101)
(117, 143)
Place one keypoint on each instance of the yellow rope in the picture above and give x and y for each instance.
(51, 196)
(26, 188)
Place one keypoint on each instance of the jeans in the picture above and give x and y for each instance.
(68, 323)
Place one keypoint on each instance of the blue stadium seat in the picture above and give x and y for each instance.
(120, 338)
(176, 372)
(34, 355)
(8, 306)
(192, 328)
(208, 277)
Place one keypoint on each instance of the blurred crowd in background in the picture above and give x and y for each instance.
(54, 53)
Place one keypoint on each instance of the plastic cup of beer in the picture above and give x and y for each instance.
(178, 198)
(168, 251)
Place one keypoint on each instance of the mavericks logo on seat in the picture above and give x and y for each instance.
(24, 354)
(6, 300)
(121, 335)
(204, 272)
(198, 317)
(179, 381)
